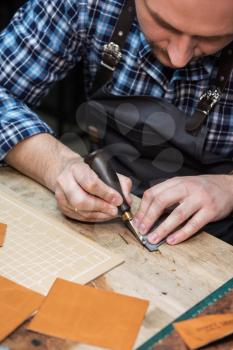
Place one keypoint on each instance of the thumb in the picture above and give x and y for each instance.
(126, 185)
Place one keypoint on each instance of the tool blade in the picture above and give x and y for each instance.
(143, 239)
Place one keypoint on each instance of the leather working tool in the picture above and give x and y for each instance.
(99, 162)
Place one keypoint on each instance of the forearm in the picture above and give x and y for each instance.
(41, 157)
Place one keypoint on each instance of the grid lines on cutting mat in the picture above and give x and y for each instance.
(36, 251)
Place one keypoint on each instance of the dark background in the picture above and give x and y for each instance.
(66, 95)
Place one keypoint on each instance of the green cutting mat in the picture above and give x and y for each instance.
(194, 311)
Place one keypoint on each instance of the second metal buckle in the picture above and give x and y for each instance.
(111, 56)
(208, 100)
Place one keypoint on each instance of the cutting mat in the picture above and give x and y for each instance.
(220, 301)
(38, 248)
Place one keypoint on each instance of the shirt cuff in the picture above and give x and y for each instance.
(16, 127)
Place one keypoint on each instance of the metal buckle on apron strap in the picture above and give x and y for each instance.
(207, 101)
(111, 56)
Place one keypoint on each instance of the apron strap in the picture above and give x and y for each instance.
(112, 54)
(210, 97)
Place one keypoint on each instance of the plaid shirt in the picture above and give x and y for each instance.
(46, 38)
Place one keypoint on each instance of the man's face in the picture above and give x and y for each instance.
(181, 30)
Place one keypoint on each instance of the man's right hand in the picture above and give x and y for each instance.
(81, 194)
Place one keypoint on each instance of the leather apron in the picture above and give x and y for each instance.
(149, 139)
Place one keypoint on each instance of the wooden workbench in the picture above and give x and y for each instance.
(172, 279)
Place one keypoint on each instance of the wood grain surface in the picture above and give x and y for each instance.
(172, 279)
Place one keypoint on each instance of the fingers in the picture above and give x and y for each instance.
(62, 202)
(77, 214)
(195, 224)
(79, 187)
(198, 204)
(154, 203)
(69, 196)
(91, 183)
(177, 217)
(126, 185)
(148, 197)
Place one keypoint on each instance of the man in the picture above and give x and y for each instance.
(170, 52)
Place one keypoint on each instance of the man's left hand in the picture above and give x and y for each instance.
(198, 201)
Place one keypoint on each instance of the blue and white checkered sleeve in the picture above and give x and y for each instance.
(37, 49)
(17, 122)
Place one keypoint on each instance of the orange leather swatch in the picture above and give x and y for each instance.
(2, 233)
(17, 304)
(88, 315)
(204, 330)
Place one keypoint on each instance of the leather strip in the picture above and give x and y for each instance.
(206, 104)
(119, 36)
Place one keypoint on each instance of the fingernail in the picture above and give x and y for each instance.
(142, 229)
(113, 211)
(116, 201)
(171, 240)
(153, 238)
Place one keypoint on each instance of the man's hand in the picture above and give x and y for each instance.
(198, 200)
(83, 196)
(80, 193)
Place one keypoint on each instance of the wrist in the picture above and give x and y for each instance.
(42, 158)
(63, 157)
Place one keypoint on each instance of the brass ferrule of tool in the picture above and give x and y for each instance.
(127, 219)
(127, 216)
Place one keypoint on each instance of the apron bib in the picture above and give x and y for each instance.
(148, 139)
